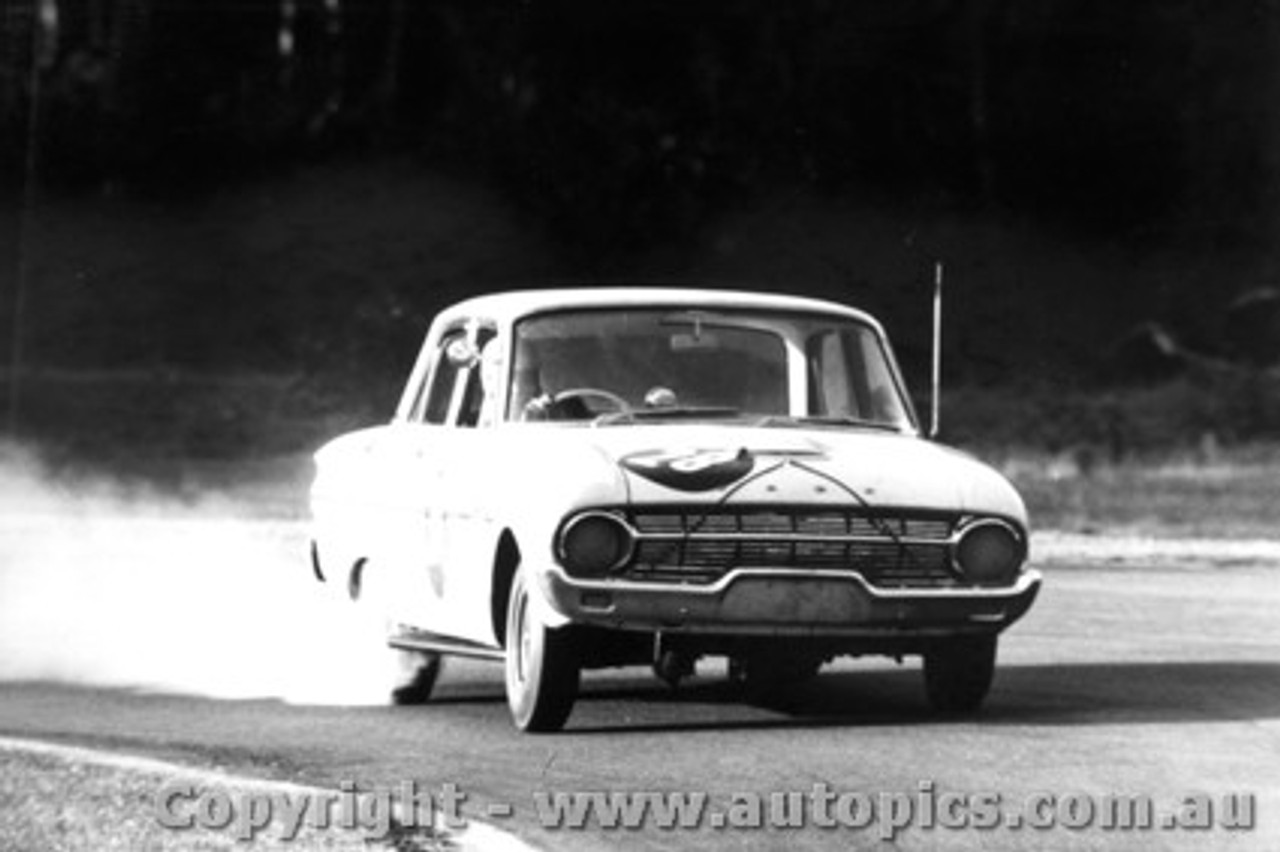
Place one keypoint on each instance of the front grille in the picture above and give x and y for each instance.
(890, 550)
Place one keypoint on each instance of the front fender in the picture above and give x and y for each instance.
(542, 602)
(546, 474)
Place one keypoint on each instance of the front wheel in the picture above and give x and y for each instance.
(958, 673)
(542, 668)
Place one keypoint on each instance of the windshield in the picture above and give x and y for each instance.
(677, 363)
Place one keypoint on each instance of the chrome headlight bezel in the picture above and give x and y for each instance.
(584, 559)
(1010, 564)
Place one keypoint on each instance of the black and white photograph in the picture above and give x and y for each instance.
(507, 425)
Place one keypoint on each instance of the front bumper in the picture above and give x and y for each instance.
(789, 603)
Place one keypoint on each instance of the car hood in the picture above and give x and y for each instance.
(681, 463)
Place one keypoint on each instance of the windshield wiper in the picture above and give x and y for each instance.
(678, 412)
(828, 420)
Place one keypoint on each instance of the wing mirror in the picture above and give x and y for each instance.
(462, 353)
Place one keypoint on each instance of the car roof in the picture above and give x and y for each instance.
(510, 305)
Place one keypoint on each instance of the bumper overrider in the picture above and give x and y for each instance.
(789, 602)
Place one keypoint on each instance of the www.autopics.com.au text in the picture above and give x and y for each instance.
(379, 810)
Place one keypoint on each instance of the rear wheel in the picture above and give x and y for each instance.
(542, 667)
(416, 671)
(958, 673)
(419, 671)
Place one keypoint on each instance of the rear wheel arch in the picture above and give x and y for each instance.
(355, 578)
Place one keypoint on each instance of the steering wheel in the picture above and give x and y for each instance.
(582, 394)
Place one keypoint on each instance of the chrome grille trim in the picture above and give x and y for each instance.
(888, 549)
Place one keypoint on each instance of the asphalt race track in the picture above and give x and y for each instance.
(201, 638)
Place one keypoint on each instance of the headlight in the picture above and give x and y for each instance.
(594, 543)
(990, 552)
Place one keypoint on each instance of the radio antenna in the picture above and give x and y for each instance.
(935, 423)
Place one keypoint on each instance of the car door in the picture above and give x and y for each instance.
(440, 586)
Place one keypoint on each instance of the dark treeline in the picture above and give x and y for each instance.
(632, 121)
(630, 126)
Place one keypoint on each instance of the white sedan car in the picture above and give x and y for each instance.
(586, 478)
